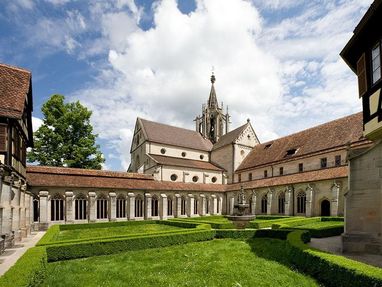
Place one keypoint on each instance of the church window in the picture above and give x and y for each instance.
(265, 173)
(324, 162)
(121, 206)
(300, 167)
(337, 160)
(264, 204)
(154, 206)
(201, 156)
(195, 206)
(183, 154)
(250, 176)
(195, 178)
(102, 207)
(163, 151)
(301, 202)
(174, 177)
(57, 208)
(290, 152)
(281, 170)
(138, 206)
(214, 179)
(282, 203)
(169, 206)
(182, 206)
(80, 207)
(376, 63)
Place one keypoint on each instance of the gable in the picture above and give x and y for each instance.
(247, 137)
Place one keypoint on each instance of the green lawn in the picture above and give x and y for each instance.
(113, 231)
(212, 263)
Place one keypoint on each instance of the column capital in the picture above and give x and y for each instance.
(131, 194)
(213, 195)
(148, 195)
(163, 195)
(43, 193)
(190, 195)
(202, 195)
(112, 194)
(92, 194)
(68, 193)
(177, 195)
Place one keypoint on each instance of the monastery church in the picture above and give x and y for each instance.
(174, 172)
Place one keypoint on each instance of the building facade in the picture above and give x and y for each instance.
(363, 213)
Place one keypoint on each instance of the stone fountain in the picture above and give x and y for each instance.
(241, 216)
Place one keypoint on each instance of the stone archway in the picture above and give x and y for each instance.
(325, 207)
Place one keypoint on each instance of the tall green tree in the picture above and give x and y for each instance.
(66, 136)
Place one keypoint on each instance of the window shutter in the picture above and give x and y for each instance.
(3, 137)
(361, 73)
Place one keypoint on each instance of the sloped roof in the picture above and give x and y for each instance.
(14, 87)
(166, 134)
(173, 161)
(329, 135)
(230, 137)
(309, 176)
(80, 178)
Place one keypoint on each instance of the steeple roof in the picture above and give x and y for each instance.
(212, 101)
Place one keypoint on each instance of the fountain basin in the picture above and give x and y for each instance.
(241, 221)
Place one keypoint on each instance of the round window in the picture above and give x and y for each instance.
(183, 154)
(163, 151)
(195, 178)
(174, 177)
(214, 179)
(201, 156)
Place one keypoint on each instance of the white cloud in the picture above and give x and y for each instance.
(36, 123)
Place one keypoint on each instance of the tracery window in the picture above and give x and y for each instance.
(169, 206)
(57, 208)
(102, 207)
(138, 206)
(282, 203)
(301, 202)
(154, 206)
(182, 206)
(195, 206)
(80, 207)
(121, 206)
(264, 204)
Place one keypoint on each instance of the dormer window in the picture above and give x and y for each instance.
(290, 152)
(376, 63)
(268, 146)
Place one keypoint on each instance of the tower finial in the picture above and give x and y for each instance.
(213, 79)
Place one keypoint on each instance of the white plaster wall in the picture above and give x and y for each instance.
(190, 173)
(154, 148)
(223, 158)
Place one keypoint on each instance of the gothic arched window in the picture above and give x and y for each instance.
(282, 203)
(102, 207)
(264, 204)
(182, 205)
(154, 206)
(301, 202)
(169, 206)
(57, 208)
(138, 206)
(80, 207)
(121, 206)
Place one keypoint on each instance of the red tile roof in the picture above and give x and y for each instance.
(309, 176)
(173, 161)
(46, 177)
(165, 134)
(230, 137)
(334, 134)
(14, 88)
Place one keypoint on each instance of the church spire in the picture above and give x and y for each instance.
(212, 100)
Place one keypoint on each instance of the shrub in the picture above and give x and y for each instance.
(295, 222)
(111, 246)
(330, 269)
(186, 224)
(332, 218)
(106, 224)
(213, 224)
(29, 270)
(260, 222)
(242, 234)
(50, 235)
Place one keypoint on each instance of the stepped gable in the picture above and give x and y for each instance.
(330, 135)
(170, 135)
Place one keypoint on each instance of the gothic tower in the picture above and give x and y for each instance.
(212, 124)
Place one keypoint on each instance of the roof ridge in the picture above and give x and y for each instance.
(15, 68)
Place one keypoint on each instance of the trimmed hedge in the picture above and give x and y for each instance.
(29, 270)
(50, 235)
(323, 232)
(106, 224)
(215, 225)
(111, 246)
(330, 269)
(266, 223)
(295, 222)
(251, 233)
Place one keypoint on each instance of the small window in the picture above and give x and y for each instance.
(265, 173)
(195, 178)
(281, 170)
(300, 167)
(214, 179)
(163, 151)
(249, 137)
(337, 160)
(242, 152)
(239, 177)
(174, 177)
(201, 156)
(324, 162)
(291, 152)
(183, 154)
(268, 146)
(250, 176)
(376, 63)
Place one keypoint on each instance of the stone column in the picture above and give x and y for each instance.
(113, 207)
(309, 201)
(131, 206)
(92, 206)
(335, 196)
(148, 206)
(69, 215)
(289, 201)
(254, 200)
(43, 195)
(163, 206)
(202, 205)
(178, 202)
(190, 205)
(269, 202)
(213, 204)
(15, 208)
(231, 205)
(27, 213)
(23, 229)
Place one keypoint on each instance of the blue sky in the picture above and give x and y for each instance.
(276, 62)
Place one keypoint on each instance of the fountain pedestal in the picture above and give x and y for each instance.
(240, 219)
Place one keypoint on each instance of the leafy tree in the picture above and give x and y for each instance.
(66, 136)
